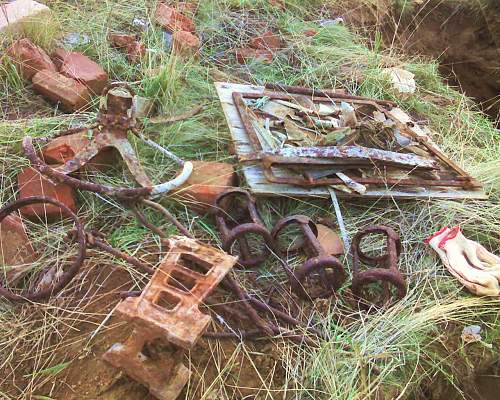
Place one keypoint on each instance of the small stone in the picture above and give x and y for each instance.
(71, 95)
(16, 15)
(140, 23)
(78, 66)
(245, 54)
(331, 22)
(208, 180)
(172, 20)
(29, 58)
(185, 43)
(64, 148)
(32, 183)
(135, 49)
(268, 40)
(76, 39)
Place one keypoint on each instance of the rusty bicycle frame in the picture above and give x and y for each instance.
(268, 159)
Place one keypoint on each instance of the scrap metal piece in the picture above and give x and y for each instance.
(301, 171)
(354, 155)
(169, 303)
(387, 271)
(164, 375)
(69, 273)
(318, 260)
(115, 119)
(235, 229)
(167, 310)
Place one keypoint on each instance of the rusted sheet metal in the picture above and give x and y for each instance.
(386, 273)
(306, 164)
(115, 119)
(69, 273)
(302, 165)
(167, 310)
(239, 228)
(319, 261)
(357, 155)
(169, 303)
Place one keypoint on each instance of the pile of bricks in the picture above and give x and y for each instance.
(260, 48)
(184, 39)
(68, 78)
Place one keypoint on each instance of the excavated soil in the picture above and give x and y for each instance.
(465, 40)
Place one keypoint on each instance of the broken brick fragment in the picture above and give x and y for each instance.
(81, 68)
(245, 54)
(268, 40)
(185, 43)
(32, 183)
(29, 58)
(172, 20)
(185, 7)
(135, 50)
(310, 32)
(208, 180)
(64, 148)
(72, 95)
(15, 246)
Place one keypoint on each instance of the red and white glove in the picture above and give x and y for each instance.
(475, 267)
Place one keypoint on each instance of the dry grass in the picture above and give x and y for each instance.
(395, 354)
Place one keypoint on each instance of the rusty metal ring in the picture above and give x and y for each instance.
(231, 192)
(318, 263)
(291, 220)
(68, 275)
(381, 275)
(374, 229)
(239, 232)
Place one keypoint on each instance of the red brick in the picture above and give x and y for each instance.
(208, 180)
(64, 148)
(246, 54)
(15, 247)
(172, 20)
(32, 183)
(135, 49)
(185, 43)
(268, 40)
(78, 66)
(29, 58)
(310, 32)
(71, 94)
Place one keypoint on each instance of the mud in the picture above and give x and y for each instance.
(465, 40)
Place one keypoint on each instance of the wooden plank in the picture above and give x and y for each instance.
(259, 186)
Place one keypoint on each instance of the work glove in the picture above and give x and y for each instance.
(468, 261)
